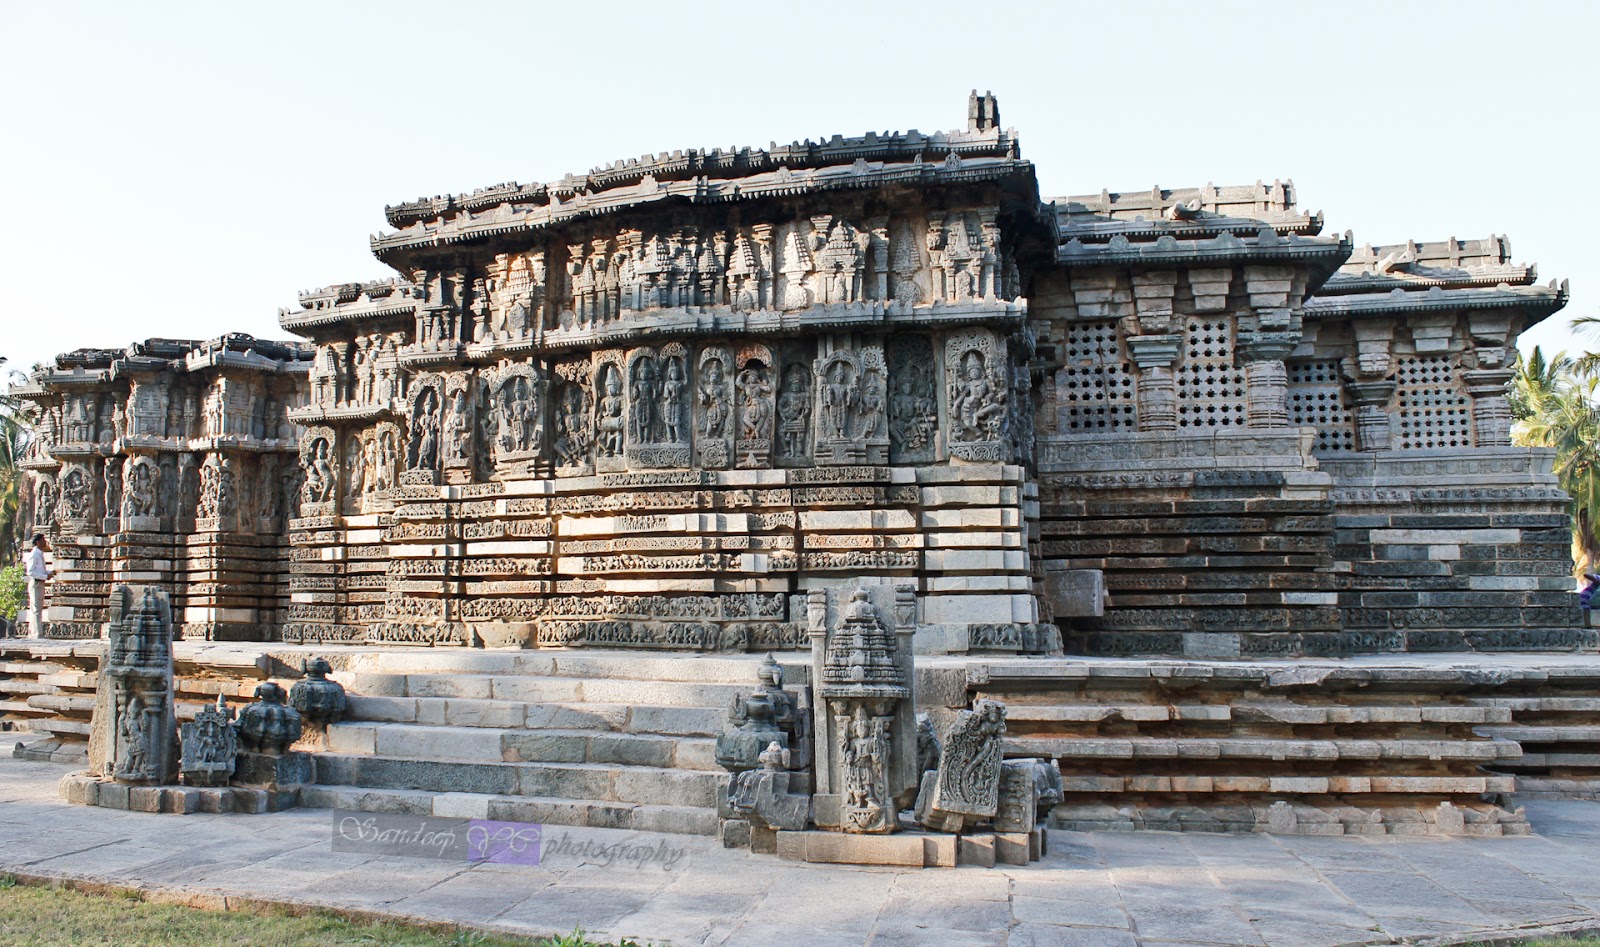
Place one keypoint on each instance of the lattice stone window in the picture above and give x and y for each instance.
(1211, 392)
(1095, 390)
(1317, 399)
(1433, 411)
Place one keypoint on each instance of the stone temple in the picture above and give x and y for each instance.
(1199, 491)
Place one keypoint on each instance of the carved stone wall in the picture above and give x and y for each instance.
(168, 464)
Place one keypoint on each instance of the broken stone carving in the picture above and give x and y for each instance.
(965, 788)
(762, 795)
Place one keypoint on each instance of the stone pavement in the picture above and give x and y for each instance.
(1093, 890)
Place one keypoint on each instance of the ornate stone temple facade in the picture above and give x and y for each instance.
(656, 405)
(169, 464)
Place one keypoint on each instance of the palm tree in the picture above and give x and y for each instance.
(1537, 381)
(16, 429)
(1564, 414)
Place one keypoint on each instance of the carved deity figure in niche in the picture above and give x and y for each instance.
(210, 493)
(44, 503)
(866, 760)
(386, 457)
(872, 406)
(319, 472)
(839, 395)
(425, 432)
(714, 399)
(609, 423)
(643, 401)
(755, 409)
(139, 496)
(977, 404)
(794, 413)
(572, 428)
(76, 499)
(458, 427)
(912, 413)
(672, 392)
(355, 468)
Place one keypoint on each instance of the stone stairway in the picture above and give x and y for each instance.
(1307, 749)
(570, 738)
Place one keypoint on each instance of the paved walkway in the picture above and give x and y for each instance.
(1093, 890)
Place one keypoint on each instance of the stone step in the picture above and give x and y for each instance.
(518, 745)
(1260, 748)
(56, 725)
(1287, 713)
(1552, 761)
(571, 715)
(683, 820)
(1298, 785)
(1543, 734)
(1284, 818)
(538, 688)
(1542, 704)
(652, 666)
(602, 782)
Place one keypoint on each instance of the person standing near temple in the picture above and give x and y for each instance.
(38, 574)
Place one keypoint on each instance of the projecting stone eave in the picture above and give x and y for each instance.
(1536, 302)
(1014, 175)
(718, 163)
(1321, 256)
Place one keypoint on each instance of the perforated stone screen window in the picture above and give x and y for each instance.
(1211, 392)
(1095, 389)
(1434, 411)
(1317, 399)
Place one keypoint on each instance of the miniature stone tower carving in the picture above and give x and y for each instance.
(866, 743)
(139, 736)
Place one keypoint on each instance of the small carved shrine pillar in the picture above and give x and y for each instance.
(1491, 412)
(133, 734)
(1158, 389)
(866, 745)
(1372, 415)
(1266, 384)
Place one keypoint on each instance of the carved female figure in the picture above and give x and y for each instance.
(714, 398)
(610, 423)
(319, 473)
(75, 494)
(872, 406)
(458, 427)
(976, 405)
(44, 504)
(672, 392)
(425, 432)
(755, 413)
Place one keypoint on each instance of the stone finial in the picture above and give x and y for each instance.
(983, 112)
(269, 725)
(316, 698)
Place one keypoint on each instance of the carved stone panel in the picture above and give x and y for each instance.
(754, 404)
(913, 401)
(852, 407)
(978, 388)
(794, 407)
(456, 437)
(317, 460)
(714, 408)
(518, 395)
(611, 424)
(573, 442)
(424, 417)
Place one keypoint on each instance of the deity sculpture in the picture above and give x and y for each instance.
(319, 473)
(755, 408)
(424, 453)
(714, 400)
(977, 405)
(458, 428)
(672, 391)
(794, 414)
(610, 425)
(643, 398)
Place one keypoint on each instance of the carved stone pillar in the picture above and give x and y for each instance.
(1491, 413)
(1158, 389)
(1266, 378)
(1372, 415)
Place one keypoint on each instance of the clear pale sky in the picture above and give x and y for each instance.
(183, 170)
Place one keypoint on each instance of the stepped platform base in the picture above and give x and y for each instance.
(85, 790)
(1482, 819)
(912, 849)
(610, 738)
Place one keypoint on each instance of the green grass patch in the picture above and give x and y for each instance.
(58, 916)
